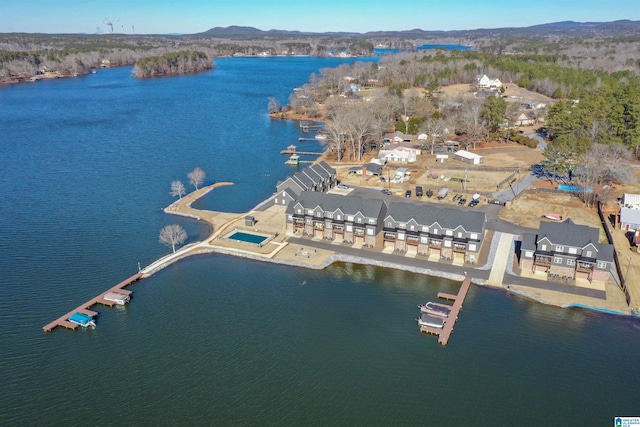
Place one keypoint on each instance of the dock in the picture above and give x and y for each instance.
(449, 322)
(85, 308)
(300, 153)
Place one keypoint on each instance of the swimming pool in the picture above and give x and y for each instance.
(574, 188)
(256, 239)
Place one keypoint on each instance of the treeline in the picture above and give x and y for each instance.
(184, 62)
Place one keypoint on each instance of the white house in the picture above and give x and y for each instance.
(397, 156)
(629, 219)
(484, 82)
(631, 201)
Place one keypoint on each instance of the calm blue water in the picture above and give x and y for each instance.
(213, 340)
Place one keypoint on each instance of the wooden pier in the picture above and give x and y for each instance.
(84, 308)
(449, 322)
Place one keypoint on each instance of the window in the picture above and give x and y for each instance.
(528, 254)
(349, 227)
(425, 229)
(329, 215)
(400, 236)
(359, 220)
(338, 217)
(411, 227)
(370, 231)
(449, 232)
(389, 224)
(372, 221)
(573, 251)
(299, 211)
(447, 243)
(318, 213)
(571, 262)
(472, 247)
(473, 236)
(309, 211)
(424, 239)
(459, 234)
(350, 218)
(328, 225)
(436, 231)
(402, 225)
(308, 221)
(557, 260)
(543, 248)
(602, 265)
(559, 248)
(589, 254)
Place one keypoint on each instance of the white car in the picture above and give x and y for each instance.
(343, 186)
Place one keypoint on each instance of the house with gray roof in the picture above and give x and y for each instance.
(442, 233)
(433, 231)
(317, 177)
(334, 217)
(567, 251)
(630, 219)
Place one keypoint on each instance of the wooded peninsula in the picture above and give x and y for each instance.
(174, 63)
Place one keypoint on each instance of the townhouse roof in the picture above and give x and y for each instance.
(472, 221)
(349, 205)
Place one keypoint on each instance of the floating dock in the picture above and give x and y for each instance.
(445, 332)
(84, 308)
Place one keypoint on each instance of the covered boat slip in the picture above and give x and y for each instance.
(444, 332)
(82, 319)
(430, 320)
(117, 298)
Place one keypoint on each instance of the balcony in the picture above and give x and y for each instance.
(339, 229)
(457, 247)
(413, 239)
(543, 260)
(358, 231)
(389, 237)
(437, 244)
(318, 225)
(584, 267)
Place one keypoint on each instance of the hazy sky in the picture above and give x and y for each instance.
(193, 16)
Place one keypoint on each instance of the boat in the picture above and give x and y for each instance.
(119, 299)
(293, 160)
(430, 321)
(443, 193)
(83, 320)
(552, 216)
(321, 136)
(435, 309)
(476, 196)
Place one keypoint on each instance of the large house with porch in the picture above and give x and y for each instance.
(444, 233)
(565, 250)
(318, 177)
(337, 218)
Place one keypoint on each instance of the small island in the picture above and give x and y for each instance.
(171, 64)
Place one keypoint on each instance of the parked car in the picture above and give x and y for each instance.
(462, 201)
(418, 191)
(473, 203)
(407, 194)
(343, 186)
(382, 179)
(429, 193)
(387, 192)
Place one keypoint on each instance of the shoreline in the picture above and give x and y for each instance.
(287, 253)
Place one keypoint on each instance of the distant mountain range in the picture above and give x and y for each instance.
(565, 28)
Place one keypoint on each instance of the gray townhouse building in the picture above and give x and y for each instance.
(428, 230)
(335, 217)
(567, 251)
(318, 177)
(432, 230)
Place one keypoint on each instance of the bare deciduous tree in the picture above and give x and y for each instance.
(172, 235)
(196, 177)
(177, 189)
(434, 129)
(600, 165)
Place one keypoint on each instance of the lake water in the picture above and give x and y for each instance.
(215, 340)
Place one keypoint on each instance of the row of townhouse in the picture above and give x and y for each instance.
(567, 250)
(319, 177)
(427, 230)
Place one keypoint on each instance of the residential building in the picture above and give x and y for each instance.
(318, 177)
(397, 156)
(484, 82)
(368, 169)
(525, 119)
(629, 219)
(444, 233)
(630, 200)
(566, 250)
(334, 217)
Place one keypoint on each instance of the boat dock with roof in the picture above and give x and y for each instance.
(445, 332)
(115, 295)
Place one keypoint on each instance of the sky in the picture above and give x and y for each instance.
(194, 16)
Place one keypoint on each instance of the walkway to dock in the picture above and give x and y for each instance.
(449, 322)
(84, 308)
